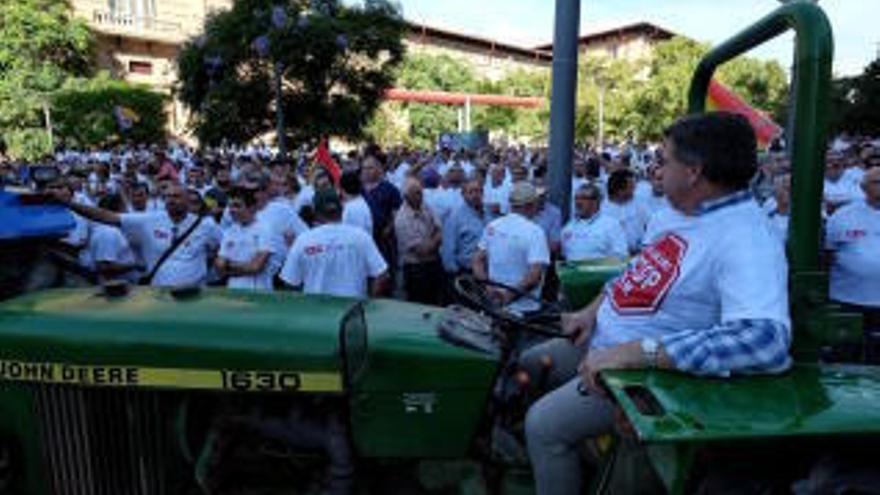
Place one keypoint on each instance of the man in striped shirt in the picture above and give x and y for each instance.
(706, 296)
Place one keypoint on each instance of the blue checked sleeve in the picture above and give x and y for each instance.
(738, 347)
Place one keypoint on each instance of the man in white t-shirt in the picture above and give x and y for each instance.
(622, 205)
(707, 296)
(355, 211)
(109, 253)
(853, 240)
(246, 246)
(838, 191)
(333, 258)
(155, 232)
(590, 235)
(279, 215)
(513, 251)
(779, 214)
(496, 192)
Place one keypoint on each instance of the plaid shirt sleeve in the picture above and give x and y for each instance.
(737, 347)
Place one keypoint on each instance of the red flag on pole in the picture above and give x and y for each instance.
(323, 157)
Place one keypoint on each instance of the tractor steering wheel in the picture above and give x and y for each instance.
(478, 295)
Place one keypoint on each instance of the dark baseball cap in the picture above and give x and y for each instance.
(327, 202)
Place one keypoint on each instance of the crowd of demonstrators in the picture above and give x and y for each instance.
(232, 216)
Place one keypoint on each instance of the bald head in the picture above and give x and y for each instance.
(871, 186)
(412, 192)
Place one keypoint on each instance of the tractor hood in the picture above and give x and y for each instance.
(213, 339)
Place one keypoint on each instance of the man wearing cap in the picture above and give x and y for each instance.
(513, 251)
(334, 258)
(246, 246)
(591, 235)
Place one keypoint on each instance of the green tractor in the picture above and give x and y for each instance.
(152, 391)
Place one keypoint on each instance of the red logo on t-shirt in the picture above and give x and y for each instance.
(856, 234)
(313, 250)
(647, 280)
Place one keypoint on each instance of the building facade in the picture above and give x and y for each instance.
(139, 40)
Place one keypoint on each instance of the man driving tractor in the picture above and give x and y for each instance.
(696, 299)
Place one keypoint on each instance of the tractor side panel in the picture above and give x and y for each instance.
(416, 395)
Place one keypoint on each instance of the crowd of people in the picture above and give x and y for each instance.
(701, 222)
(404, 222)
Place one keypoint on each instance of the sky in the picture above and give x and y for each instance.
(530, 22)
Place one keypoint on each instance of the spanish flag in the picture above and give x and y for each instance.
(125, 117)
(722, 98)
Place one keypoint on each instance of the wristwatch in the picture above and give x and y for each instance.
(650, 348)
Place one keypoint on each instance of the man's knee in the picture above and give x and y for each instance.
(551, 363)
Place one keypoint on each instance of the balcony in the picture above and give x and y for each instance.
(140, 27)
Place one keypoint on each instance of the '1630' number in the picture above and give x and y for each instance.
(261, 381)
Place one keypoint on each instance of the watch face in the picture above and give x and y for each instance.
(649, 346)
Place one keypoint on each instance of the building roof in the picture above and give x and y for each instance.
(647, 29)
(478, 43)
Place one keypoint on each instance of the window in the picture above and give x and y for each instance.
(140, 67)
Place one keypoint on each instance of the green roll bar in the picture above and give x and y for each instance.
(815, 322)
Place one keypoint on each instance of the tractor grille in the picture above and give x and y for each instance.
(106, 441)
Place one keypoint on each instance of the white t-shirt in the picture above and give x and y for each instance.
(853, 234)
(283, 222)
(304, 198)
(594, 238)
(842, 191)
(107, 244)
(240, 244)
(154, 232)
(632, 216)
(779, 223)
(497, 195)
(512, 244)
(696, 272)
(333, 259)
(356, 212)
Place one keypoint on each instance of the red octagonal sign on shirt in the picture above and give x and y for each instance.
(647, 280)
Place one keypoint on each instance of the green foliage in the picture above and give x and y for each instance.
(336, 62)
(40, 48)
(647, 98)
(855, 102)
(83, 116)
(419, 124)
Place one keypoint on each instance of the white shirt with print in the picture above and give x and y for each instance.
(240, 244)
(853, 234)
(154, 232)
(333, 259)
(696, 272)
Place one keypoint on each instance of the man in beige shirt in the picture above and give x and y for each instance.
(418, 242)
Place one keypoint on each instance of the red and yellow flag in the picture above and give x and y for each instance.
(722, 98)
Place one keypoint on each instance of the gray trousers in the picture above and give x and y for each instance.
(558, 424)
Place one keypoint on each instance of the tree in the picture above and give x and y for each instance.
(334, 63)
(41, 47)
(84, 112)
(662, 97)
(855, 102)
(424, 122)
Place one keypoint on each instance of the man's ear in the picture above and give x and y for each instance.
(695, 174)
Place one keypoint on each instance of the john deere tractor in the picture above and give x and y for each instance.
(151, 391)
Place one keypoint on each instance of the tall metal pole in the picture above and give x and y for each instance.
(562, 104)
(601, 117)
(279, 111)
